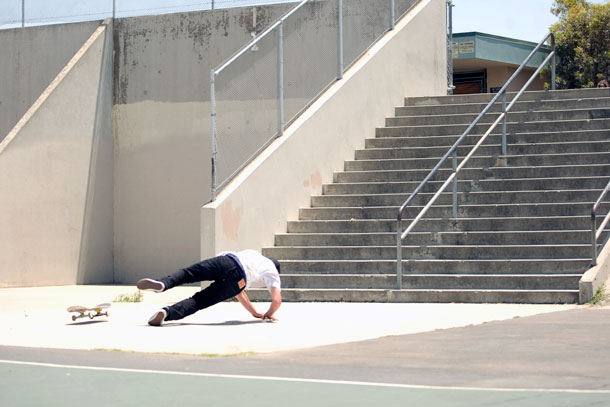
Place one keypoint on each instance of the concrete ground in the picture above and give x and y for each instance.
(37, 317)
(323, 354)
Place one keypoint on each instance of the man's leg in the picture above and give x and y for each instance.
(226, 274)
(216, 292)
(206, 270)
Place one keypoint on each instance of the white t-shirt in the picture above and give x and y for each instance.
(260, 271)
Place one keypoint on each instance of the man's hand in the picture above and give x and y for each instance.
(276, 301)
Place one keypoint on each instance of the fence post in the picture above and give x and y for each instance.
(450, 86)
(340, 39)
(213, 121)
(281, 77)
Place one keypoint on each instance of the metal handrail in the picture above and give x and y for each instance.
(596, 233)
(400, 236)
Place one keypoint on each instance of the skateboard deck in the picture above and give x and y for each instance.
(90, 312)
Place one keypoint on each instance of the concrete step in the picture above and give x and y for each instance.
(465, 252)
(437, 224)
(519, 184)
(522, 106)
(593, 112)
(444, 211)
(443, 238)
(485, 197)
(493, 139)
(436, 266)
(509, 172)
(481, 128)
(423, 296)
(485, 98)
(572, 147)
(436, 281)
(479, 161)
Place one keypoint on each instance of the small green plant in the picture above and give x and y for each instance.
(600, 295)
(135, 297)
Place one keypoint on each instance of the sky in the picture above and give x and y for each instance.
(527, 20)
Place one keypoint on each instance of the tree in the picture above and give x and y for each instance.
(582, 41)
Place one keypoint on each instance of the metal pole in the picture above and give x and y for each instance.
(593, 242)
(504, 124)
(212, 4)
(113, 9)
(398, 256)
(340, 46)
(392, 15)
(454, 195)
(450, 47)
(281, 76)
(213, 121)
(22, 13)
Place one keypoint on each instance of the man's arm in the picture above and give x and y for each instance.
(243, 299)
(276, 301)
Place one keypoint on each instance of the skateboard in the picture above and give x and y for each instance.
(89, 312)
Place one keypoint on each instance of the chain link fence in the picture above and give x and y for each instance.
(268, 83)
(24, 13)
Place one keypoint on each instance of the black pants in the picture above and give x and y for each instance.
(228, 281)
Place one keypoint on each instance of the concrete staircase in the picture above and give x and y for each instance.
(522, 234)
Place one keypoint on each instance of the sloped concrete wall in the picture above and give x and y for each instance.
(409, 61)
(31, 59)
(55, 167)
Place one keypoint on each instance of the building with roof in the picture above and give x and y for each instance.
(482, 63)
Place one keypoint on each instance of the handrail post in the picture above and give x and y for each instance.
(340, 38)
(398, 254)
(454, 195)
(593, 241)
(504, 124)
(281, 77)
(213, 121)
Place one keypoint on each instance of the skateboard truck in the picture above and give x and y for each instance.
(90, 312)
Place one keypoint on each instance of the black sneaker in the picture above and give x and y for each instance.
(151, 285)
(158, 318)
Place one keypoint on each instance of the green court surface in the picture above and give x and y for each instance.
(32, 384)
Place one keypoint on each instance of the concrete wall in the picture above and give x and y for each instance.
(162, 131)
(595, 277)
(55, 178)
(31, 59)
(409, 61)
(497, 77)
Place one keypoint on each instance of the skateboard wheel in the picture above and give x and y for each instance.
(73, 317)
(90, 316)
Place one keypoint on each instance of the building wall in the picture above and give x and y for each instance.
(31, 59)
(497, 77)
(162, 131)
